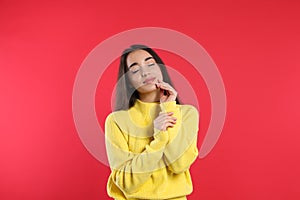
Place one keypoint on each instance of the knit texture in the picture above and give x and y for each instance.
(147, 163)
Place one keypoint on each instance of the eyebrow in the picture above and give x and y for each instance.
(135, 63)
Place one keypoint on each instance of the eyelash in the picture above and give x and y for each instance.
(148, 66)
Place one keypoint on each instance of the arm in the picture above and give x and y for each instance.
(130, 170)
(181, 150)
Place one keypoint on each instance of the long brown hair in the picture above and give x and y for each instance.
(126, 94)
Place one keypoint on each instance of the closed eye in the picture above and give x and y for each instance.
(134, 69)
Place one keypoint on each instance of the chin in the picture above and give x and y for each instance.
(147, 88)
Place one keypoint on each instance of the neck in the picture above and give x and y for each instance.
(153, 96)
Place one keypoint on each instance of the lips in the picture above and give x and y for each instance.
(148, 80)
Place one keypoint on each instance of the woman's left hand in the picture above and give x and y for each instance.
(167, 92)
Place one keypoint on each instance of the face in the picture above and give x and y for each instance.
(143, 71)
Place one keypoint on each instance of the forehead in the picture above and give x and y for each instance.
(137, 56)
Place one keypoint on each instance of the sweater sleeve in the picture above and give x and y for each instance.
(131, 170)
(181, 150)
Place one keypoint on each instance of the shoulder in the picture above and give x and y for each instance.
(188, 110)
(116, 116)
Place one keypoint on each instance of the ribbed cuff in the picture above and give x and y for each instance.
(161, 135)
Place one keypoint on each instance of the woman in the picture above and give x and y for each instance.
(151, 140)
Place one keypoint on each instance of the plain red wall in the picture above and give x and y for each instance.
(255, 45)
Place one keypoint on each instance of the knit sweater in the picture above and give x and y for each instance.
(147, 163)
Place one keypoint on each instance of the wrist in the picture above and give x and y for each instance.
(161, 135)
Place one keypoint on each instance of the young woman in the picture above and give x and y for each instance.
(151, 139)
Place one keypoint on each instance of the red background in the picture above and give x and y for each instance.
(255, 45)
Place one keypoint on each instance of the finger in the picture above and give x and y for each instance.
(172, 120)
(165, 84)
(164, 120)
(161, 81)
(161, 92)
(166, 113)
(164, 92)
(166, 88)
(169, 120)
(169, 125)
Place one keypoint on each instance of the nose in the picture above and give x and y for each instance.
(144, 71)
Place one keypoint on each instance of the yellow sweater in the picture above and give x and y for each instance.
(147, 163)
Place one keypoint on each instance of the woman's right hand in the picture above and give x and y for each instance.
(164, 120)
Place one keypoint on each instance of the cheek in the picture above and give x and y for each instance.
(157, 72)
(134, 80)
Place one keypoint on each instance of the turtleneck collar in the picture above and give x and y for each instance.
(144, 112)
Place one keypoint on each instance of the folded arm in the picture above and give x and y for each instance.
(181, 151)
(131, 170)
